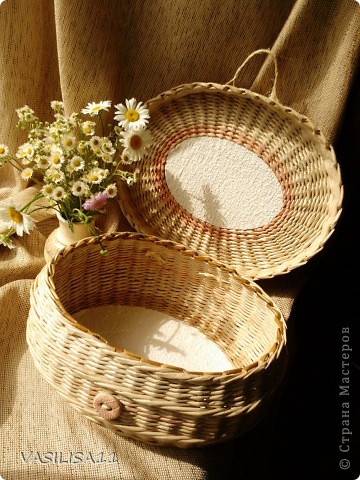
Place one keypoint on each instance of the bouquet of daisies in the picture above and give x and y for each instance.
(74, 162)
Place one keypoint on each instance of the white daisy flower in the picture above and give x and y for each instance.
(57, 106)
(13, 218)
(135, 143)
(79, 189)
(59, 194)
(111, 190)
(56, 156)
(54, 174)
(27, 173)
(97, 151)
(56, 161)
(55, 130)
(125, 156)
(132, 115)
(77, 163)
(97, 175)
(25, 150)
(47, 190)
(107, 147)
(26, 114)
(6, 241)
(42, 162)
(94, 108)
(25, 161)
(4, 150)
(68, 141)
(106, 158)
(88, 128)
(95, 142)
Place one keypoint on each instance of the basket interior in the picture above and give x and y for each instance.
(230, 311)
(155, 336)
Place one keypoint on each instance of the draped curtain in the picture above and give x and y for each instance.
(80, 51)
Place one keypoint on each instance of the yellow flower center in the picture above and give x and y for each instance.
(68, 142)
(96, 108)
(132, 115)
(14, 215)
(2, 150)
(56, 160)
(135, 142)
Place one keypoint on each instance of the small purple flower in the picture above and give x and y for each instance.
(96, 202)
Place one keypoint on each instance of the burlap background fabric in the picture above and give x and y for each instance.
(82, 51)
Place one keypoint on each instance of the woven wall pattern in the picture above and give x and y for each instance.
(160, 403)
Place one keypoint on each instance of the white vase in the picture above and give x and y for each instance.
(63, 236)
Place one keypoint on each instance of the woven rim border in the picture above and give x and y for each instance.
(298, 153)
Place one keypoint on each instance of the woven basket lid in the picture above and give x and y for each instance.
(301, 163)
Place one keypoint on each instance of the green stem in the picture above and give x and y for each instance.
(10, 232)
(37, 197)
(15, 165)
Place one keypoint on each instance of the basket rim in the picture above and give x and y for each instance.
(272, 354)
(213, 87)
(139, 223)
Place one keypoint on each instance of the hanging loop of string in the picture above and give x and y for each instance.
(273, 94)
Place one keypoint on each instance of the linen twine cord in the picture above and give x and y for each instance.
(273, 93)
(157, 403)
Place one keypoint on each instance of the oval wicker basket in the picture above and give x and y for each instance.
(137, 397)
(298, 155)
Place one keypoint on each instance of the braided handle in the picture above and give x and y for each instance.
(273, 94)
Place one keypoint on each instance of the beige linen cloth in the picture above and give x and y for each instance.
(81, 51)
